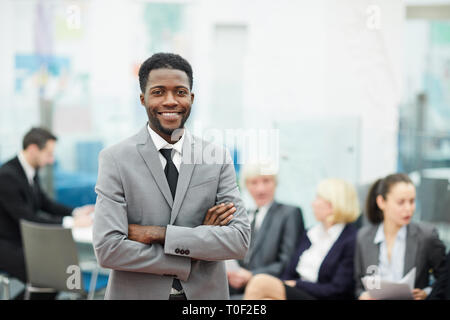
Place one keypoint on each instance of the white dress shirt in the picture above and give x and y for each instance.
(29, 170)
(160, 143)
(321, 242)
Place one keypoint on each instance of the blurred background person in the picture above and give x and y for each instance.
(322, 265)
(394, 243)
(21, 197)
(275, 227)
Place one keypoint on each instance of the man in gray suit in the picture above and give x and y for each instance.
(276, 229)
(168, 209)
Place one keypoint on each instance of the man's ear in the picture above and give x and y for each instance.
(192, 97)
(32, 148)
(142, 98)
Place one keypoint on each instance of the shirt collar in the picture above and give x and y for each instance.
(29, 170)
(265, 207)
(318, 232)
(160, 143)
(379, 236)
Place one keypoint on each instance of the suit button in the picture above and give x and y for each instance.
(177, 250)
(181, 251)
(187, 251)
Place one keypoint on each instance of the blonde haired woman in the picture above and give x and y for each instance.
(322, 265)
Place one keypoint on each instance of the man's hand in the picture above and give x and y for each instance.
(83, 211)
(82, 221)
(146, 234)
(240, 278)
(219, 215)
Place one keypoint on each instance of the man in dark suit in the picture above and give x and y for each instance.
(21, 197)
(275, 228)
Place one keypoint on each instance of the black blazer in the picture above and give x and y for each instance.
(18, 201)
(335, 280)
(275, 241)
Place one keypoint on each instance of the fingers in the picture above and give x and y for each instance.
(226, 217)
(220, 214)
(209, 214)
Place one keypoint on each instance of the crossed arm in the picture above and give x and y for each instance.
(219, 215)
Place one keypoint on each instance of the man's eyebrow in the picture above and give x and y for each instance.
(162, 87)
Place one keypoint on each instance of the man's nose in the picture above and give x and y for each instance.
(170, 100)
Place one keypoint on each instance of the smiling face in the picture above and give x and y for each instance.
(167, 100)
(400, 203)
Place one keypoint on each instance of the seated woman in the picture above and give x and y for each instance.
(394, 244)
(322, 264)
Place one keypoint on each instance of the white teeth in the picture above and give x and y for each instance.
(170, 115)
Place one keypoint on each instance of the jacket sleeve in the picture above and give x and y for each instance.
(16, 205)
(213, 243)
(290, 272)
(54, 208)
(110, 233)
(359, 273)
(437, 263)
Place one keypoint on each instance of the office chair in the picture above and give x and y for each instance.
(51, 260)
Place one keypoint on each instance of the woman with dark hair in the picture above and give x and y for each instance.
(393, 245)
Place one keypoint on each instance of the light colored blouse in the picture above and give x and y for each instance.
(321, 242)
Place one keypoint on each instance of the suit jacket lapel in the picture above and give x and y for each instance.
(189, 158)
(373, 249)
(25, 183)
(262, 232)
(147, 150)
(411, 249)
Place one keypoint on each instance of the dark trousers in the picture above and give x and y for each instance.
(294, 293)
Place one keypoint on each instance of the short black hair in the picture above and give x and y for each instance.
(164, 60)
(38, 136)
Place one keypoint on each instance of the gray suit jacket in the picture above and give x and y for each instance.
(424, 250)
(132, 189)
(272, 247)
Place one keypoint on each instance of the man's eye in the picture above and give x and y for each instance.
(157, 92)
(182, 92)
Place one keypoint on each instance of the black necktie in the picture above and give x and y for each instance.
(172, 178)
(170, 170)
(252, 239)
(35, 188)
(252, 225)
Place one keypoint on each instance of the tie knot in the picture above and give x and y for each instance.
(167, 154)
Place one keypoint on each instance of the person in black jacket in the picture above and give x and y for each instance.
(275, 229)
(21, 197)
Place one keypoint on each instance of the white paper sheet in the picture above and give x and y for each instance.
(386, 290)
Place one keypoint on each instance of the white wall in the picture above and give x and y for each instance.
(313, 59)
